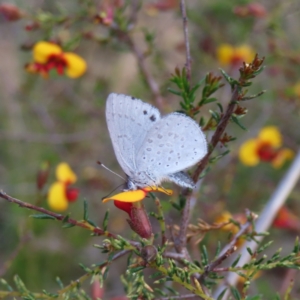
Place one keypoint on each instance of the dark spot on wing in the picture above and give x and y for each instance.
(145, 112)
(132, 98)
(152, 118)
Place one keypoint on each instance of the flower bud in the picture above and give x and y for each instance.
(42, 175)
(10, 12)
(139, 221)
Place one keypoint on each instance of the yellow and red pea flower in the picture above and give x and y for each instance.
(286, 219)
(10, 12)
(61, 192)
(48, 56)
(229, 55)
(130, 202)
(253, 9)
(266, 147)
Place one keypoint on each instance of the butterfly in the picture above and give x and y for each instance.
(151, 148)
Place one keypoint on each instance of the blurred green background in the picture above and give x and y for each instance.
(61, 119)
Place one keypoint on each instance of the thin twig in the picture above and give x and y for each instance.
(141, 59)
(218, 133)
(174, 255)
(188, 65)
(251, 217)
(59, 217)
(219, 260)
(181, 241)
(132, 19)
(189, 296)
(161, 220)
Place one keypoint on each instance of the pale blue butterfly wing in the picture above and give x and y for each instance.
(173, 144)
(128, 120)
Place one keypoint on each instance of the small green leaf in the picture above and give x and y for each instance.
(86, 269)
(105, 273)
(236, 121)
(59, 282)
(220, 297)
(220, 107)
(218, 250)
(176, 206)
(249, 251)
(207, 100)
(204, 173)
(20, 284)
(253, 96)
(68, 225)
(296, 246)
(156, 274)
(277, 297)
(42, 216)
(256, 297)
(91, 223)
(137, 269)
(178, 93)
(204, 255)
(263, 247)
(66, 218)
(172, 290)
(202, 121)
(229, 79)
(215, 115)
(259, 70)
(216, 158)
(235, 293)
(236, 261)
(6, 285)
(182, 201)
(51, 295)
(199, 83)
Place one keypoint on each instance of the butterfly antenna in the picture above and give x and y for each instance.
(106, 168)
(112, 191)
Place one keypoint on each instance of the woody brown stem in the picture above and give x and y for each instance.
(59, 217)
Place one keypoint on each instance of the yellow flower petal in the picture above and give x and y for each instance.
(42, 51)
(65, 174)
(224, 217)
(225, 53)
(76, 65)
(271, 135)
(245, 53)
(137, 195)
(128, 196)
(57, 199)
(248, 153)
(283, 155)
(158, 189)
